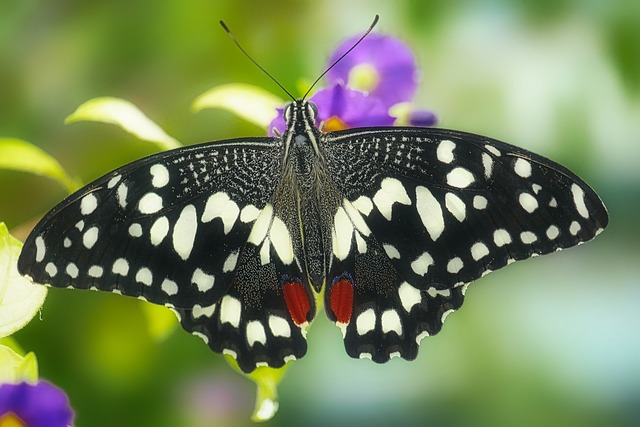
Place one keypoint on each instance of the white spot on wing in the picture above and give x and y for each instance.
(144, 276)
(202, 280)
(430, 212)
(51, 269)
(281, 240)
(552, 232)
(169, 287)
(230, 262)
(343, 234)
(454, 265)
(391, 251)
(135, 230)
(434, 293)
(459, 177)
(363, 204)
(487, 164)
(261, 226)
(72, 270)
(493, 150)
(113, 181)
(279, 326)
(150, 203)
(455, 206)
(95, 271)
(160, 175)
(501, 237)
(121, 195)
(159, 230)
(356, 218)
(199, 311)
(40, 249)
(391, 191)
(88, 204)
(366, 321)
(121, 267)
(184, 232)
(361, 244)
(90, 237)
(255, 333)
(421, 265)
(574, 228)
(578, 199)
(479, 250)
(220, 206)
(249, 213)
(409, 296)
(528, 237)
(230, 309)
(479, 202)
(444, 152)
(391, 322)
(528, 202)
(522, 167)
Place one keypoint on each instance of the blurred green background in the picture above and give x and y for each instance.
(552, 341)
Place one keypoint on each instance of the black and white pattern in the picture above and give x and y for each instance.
(238, 237)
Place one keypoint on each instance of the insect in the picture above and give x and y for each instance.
(239, 237)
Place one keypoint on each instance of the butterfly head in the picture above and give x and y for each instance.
(300, 116)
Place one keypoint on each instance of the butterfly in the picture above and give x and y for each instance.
(240, 238)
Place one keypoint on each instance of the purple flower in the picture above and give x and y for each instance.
(34, 405)
(371, 86)
(342, 108)
(382, 66)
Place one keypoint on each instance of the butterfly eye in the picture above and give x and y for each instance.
(312, 110)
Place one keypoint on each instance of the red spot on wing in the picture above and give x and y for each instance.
(341, 300)
(297, 302)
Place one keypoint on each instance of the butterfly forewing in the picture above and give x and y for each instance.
(178, 228)
(427, 211)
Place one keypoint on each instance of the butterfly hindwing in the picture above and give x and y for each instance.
(186, 229)
(432, 211)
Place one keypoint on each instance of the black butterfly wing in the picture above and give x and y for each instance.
(426, 211)
(198, 229)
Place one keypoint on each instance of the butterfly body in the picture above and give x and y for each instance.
(238, 237)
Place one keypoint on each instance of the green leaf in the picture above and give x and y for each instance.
(161, 321)
(20, 299)
(267, 380)
(16, 154)
(124, 114)
(252, 103)
(15, 368)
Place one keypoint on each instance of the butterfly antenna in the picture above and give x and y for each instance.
(373, 24)
(226, 29)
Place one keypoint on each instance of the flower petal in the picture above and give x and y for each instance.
(407, 115)
(352, 107)
(396, 75)
(38, 405)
